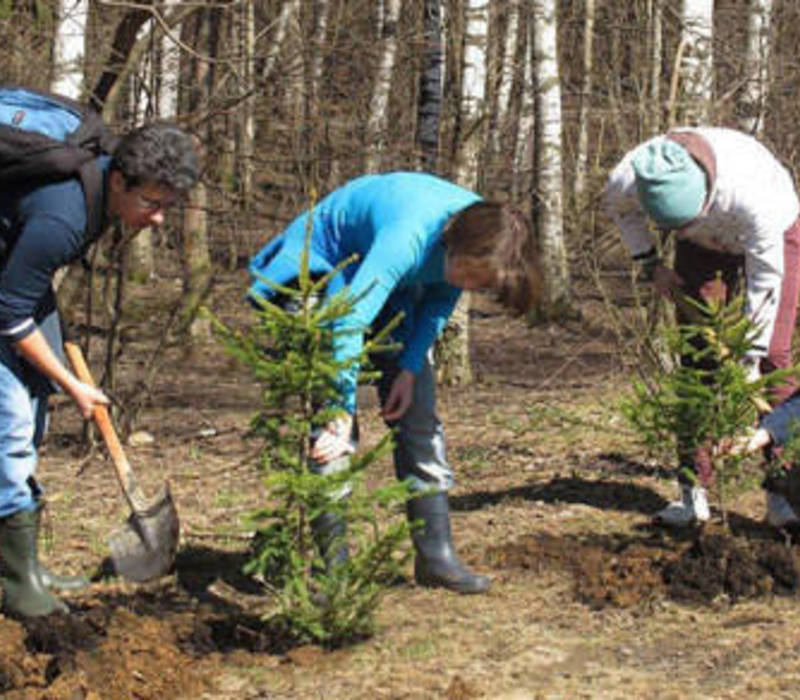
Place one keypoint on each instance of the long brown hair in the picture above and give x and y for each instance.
(499, 234)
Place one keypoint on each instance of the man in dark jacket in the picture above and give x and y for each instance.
(45, 228)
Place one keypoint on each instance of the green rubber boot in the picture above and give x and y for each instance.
(50, 579)
(24, 594)
(436, 563)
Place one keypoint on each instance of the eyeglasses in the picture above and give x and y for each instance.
(152, 205)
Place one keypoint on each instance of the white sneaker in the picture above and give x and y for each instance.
(779, 512)
(693, 507)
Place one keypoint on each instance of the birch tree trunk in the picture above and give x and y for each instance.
(303, 92)
(68, 80)
(452, 351)
(429, 108)
(69, 48)
(754, 97)
(654, 16)
(143, 103)
(313, 84)
(247, 121)
(696, 68)
(169, 75)
(548, 199)
(289, 12)
(508, 69)
(582, 155)
(378, 120)
(473, 93)
(162, 72)
(522, 184)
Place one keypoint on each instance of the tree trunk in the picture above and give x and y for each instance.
(69, 49)
(289, 11)
(247, 123)
(121, 47)
(142, 105)
(582, 155)
(522, 186)
(378, 121)
(196, 258)
(696, 68)
(654, 16)
(195, 253)
(169, 75)
(508, 69)
(141, 261)
(429, 107)
(453, 353)
(548, 200)
(473, 94)
(754, 98)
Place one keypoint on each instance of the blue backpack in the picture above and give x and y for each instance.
(45, 138)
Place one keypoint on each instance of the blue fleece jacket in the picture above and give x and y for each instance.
(394, 223)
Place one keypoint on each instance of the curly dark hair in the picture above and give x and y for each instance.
(499, 235)
(160, 152)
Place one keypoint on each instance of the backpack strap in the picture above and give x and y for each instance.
(30, 156)
(95, 138)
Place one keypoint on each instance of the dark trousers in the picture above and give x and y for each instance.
(699, 268)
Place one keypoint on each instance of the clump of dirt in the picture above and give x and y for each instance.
(625, 572)
(625, 579)
(459, 689)
(167, 639)
(613, 571)
(531, 552)
(125, 654)
(720, 565)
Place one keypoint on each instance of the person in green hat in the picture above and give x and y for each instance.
(733, 210)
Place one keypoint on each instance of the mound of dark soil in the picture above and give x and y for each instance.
(118, 651)
(629, 571)
(720, 565)
(607, 571)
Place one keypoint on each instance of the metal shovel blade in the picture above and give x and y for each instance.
(144, 547)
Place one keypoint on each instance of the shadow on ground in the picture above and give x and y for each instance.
(598, 493)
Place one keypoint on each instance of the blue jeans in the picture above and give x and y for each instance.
(23, 422)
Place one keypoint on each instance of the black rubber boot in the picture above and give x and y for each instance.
(330, 531)
(50, 579)
(436, 563)
(24, 594)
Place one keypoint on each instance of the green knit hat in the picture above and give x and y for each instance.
(670, 184)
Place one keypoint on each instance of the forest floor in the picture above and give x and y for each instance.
(553, 500)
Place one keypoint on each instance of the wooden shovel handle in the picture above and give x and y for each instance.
(125, 475)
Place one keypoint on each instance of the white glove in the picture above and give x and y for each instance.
(334, 440)
(752, 367)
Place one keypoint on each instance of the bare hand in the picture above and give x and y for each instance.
(400, 396)
(334, 440)
(88, 398)
(666, 281)
(751, 441)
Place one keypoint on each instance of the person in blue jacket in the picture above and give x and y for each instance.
(42, 228)
(420, 241)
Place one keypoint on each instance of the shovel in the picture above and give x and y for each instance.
(144, 547)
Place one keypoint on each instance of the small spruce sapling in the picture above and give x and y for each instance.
(703, 403)
(289, 351)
